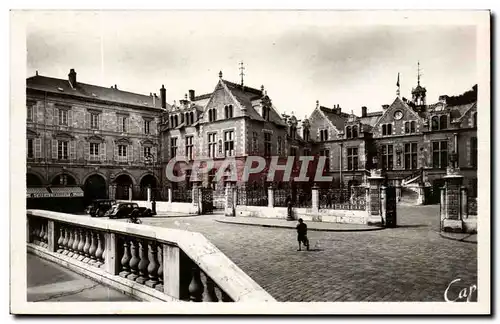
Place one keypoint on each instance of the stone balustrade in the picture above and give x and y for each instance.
(162, 264)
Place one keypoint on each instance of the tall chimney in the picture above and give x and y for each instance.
(191, 95)
(163, 98)
(364, 111)
(72, 77)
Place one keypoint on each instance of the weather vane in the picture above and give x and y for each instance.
(242, 74)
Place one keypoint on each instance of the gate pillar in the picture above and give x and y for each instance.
(230, 202)
(451, 202)
(373, 199)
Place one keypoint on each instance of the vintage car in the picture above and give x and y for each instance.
(99, 207)
(123, 210)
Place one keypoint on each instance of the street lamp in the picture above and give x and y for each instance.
(150, 160)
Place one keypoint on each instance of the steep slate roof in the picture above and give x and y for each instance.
(89, 91)
(338, 120)
(458, 111)
(245, 95)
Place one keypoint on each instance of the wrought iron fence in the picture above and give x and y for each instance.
(219, 197)
(252, 196)
(181, 195)
(472, 206)
(343, 198)
(299, 195)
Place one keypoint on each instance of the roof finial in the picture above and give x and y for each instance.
(397, 85)
(317, 103)
(220, 74)
(418, 72)
(262, 88)
(242, 74)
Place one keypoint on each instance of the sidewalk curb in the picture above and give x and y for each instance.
(309, 229)
(458, 240)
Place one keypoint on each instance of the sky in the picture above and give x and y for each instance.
(299, 56)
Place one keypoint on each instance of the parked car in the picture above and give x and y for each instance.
(99, 207)
(123, 210)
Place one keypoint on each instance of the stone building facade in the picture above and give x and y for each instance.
(113, 143)
(102, 140)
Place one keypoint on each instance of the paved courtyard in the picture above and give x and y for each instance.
(408, 263)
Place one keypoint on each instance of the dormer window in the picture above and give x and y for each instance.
(435, 123)
(387, 129)
(212, 115)
(228, 111)
(354, 131)
(266, 112)
(410, 127)
(443, 122)
(305, 134)
(348, 133)
(323, 135)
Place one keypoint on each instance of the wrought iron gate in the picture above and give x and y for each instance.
(390, 194)
(207, 201)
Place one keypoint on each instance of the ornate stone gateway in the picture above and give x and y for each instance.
(207, 201)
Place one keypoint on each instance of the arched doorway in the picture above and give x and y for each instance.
(147, 181)
(64, 180)
(94, 188)
(33, 180)
(123, 183)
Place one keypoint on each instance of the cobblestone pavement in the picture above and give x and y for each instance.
(408, 263)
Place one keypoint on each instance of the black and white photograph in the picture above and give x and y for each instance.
(250, 161)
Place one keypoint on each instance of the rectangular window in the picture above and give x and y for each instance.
(29, 113)
(267, 144)
(122, 151)
(473, 152)
(94, 151)
(147, 123)
(439, 154)
(62, 150)
(94, 121)
(63, 117)
(147, 151)
(293, 151)
(326, 153)
(173, 147)
(387, 129)
(255, 142)
(279, 149)
(411, 156)
(30, 148)
(387, 157)
(189, 147)
(352, 158)
(122, 124)
(229, 143)
(212, 145)
(323, 135)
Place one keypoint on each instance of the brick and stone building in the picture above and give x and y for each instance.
(103, 140)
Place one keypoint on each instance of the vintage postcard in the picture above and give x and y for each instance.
(250, 162)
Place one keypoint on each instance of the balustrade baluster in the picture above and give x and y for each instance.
(76, 241)
(60, 240)
(99, 251)
(125, 259)
(41, 234)
(65, 241)
(86, 247)
(159, 286)
(46, 235)
(81, 244)
(70, 242)
(143, 263)
(93, 248)
(225, 297)
(211, 294)
(134, 260)
(196, 286)
(153, 266)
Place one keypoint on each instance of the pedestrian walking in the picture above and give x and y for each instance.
(302, 235)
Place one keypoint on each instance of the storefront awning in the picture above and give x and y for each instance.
(66, 192)
(37, 192)
(53, 192)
